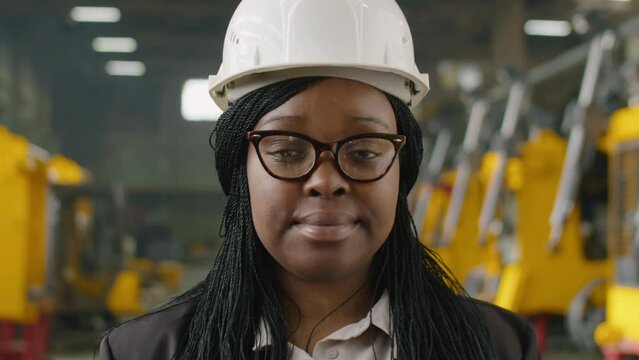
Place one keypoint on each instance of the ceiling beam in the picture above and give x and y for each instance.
(617, 7)
(178, 10)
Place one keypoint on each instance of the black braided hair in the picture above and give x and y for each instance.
(431, 316)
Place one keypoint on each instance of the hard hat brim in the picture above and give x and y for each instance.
(410, 88)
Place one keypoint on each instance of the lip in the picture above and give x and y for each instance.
(326, 226)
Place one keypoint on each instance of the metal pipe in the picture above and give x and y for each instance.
(434, 167)
(442, 144)
(558, 65)
(628, 28)
(562, 63)
(38, 153)
(571, 170)
(509, 124)
(489, 205)
(477, 115)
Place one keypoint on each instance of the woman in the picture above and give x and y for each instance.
(317, 151)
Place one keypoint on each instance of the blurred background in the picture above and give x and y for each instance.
(109, 201)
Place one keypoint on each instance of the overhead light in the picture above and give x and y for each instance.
(115, 44)
(465, 75)
(95, 14)
(580, 23)
(547, 28)
(125, 68)
(469, 77)
(197, 105)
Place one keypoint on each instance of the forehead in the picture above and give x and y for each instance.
(336, 105)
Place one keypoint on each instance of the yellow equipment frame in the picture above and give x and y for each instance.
(462, 255)
(619, 334)
(23, 190)
(543, 281)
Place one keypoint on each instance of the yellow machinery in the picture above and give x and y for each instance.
(64, 171)
(427, 189)
(619, 334)
(48, 244)
(536, 279)
(449, 223)
(513, 266)
(24, 302)
(78, 289)
(93, 274)
(23, 190)
(439, 196)
(524, 262)
(84, 285)
(468, 260)
(545, 267)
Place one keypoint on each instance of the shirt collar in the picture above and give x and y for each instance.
(379, 316)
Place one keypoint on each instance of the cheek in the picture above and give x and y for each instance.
(269, 207)
(382, 203)
(391, 196)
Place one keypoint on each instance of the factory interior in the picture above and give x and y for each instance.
(110, 204)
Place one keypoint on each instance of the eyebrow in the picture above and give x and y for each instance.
(371, 119)
(368, 119)
(282, 118)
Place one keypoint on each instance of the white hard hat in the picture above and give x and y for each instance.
(273, 40)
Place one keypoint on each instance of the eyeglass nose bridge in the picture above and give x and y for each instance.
(320, 148)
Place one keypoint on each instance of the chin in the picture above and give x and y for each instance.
(324, 271)
(320, 276)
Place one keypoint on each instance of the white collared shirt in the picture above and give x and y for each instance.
(352, 342)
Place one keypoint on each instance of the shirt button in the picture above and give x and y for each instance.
(332, 354)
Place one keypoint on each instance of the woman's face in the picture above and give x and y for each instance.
(325, 227)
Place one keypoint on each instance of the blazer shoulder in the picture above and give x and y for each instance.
(152, 336)
(512, 335)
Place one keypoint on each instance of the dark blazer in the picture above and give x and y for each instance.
(156, 336)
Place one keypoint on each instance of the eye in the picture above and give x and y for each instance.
(363, 154)
(284, 149)
(285, 154)
(367, 150)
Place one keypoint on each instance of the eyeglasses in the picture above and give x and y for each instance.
(288, 155)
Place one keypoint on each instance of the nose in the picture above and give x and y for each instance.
(326, 181)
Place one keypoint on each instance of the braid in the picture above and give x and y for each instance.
(431, 315)
(427, 302)
(238, 292)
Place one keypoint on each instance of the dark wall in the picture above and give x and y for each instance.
(124, 130)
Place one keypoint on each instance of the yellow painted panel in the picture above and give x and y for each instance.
(470, 253)
(64, 171)
(463, 254)
(434, 215)
(14, 234)
(511, 288)
(124, 297)
(623, 126)
(37, 245)
(553, 278)
(622, 311)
